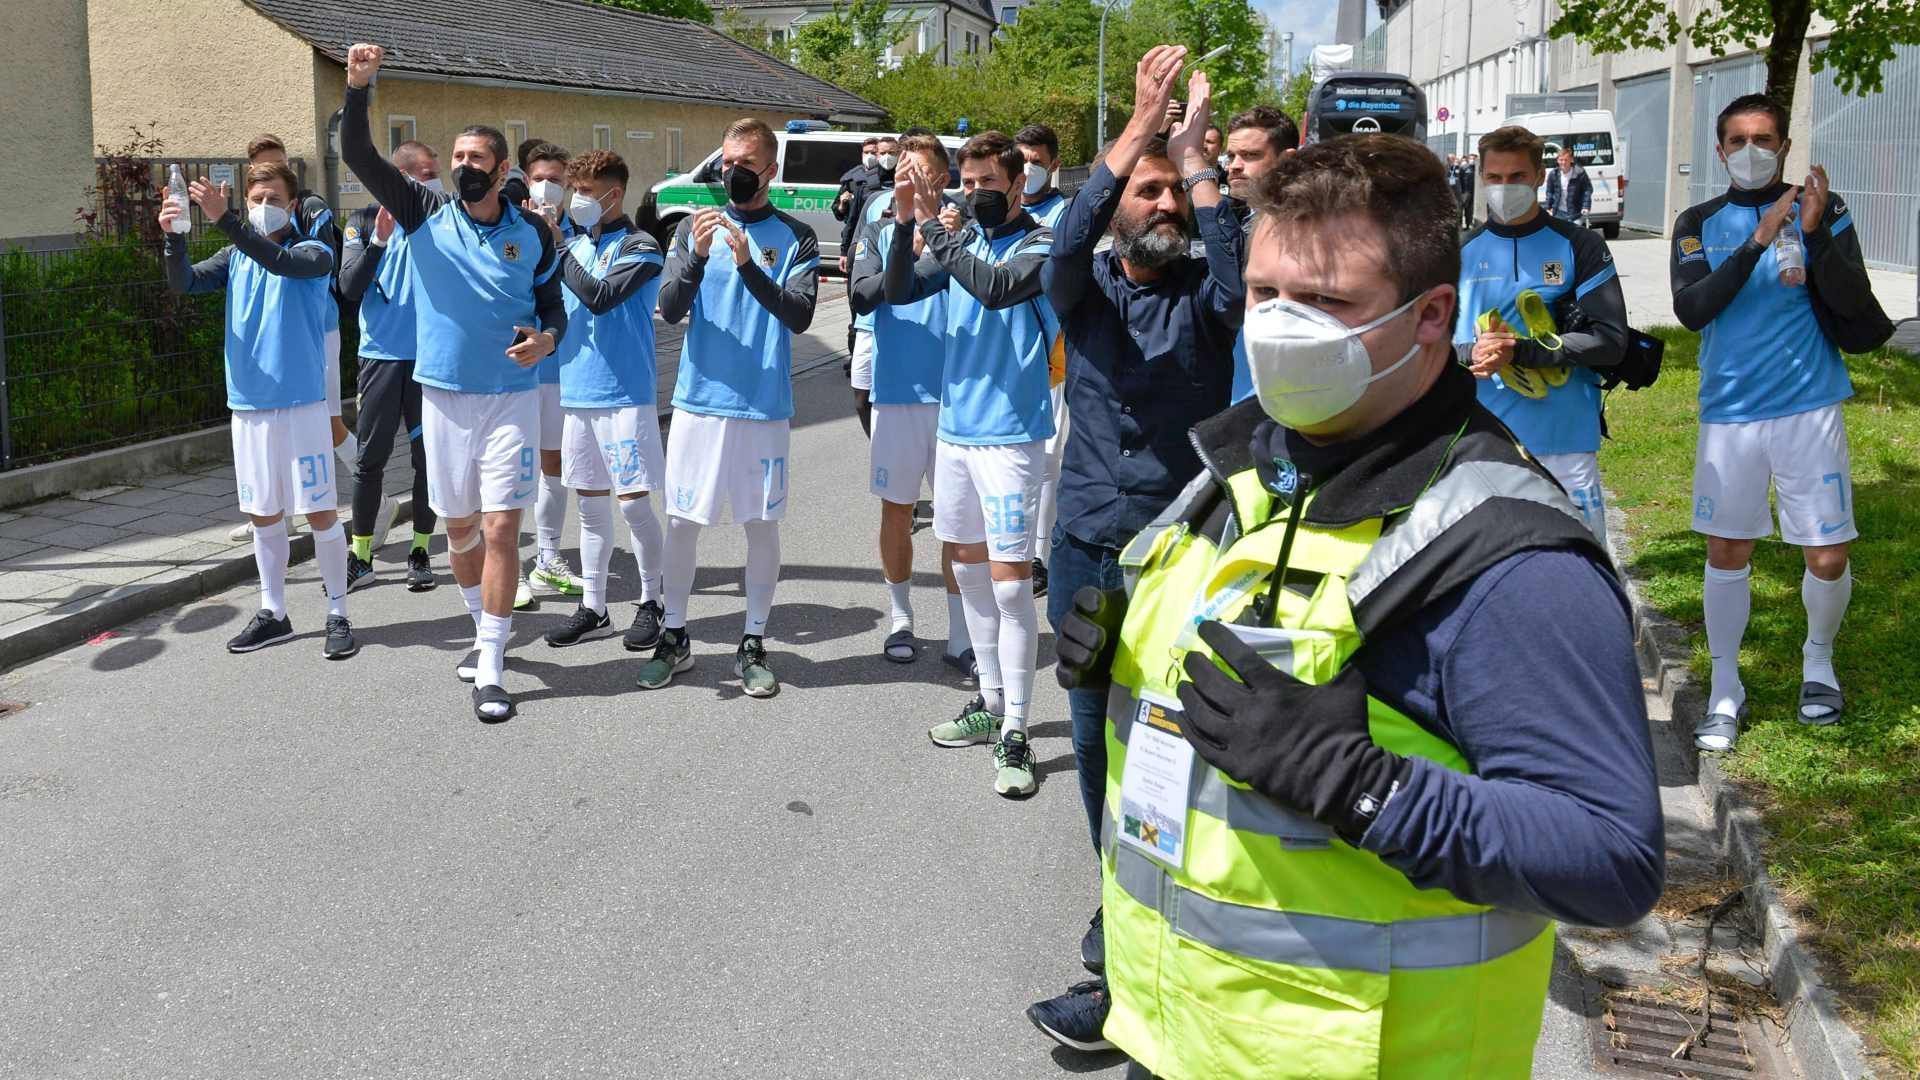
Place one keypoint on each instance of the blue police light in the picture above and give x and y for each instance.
(962, 125)
(801, 127)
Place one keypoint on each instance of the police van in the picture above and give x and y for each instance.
(1595, 143)
(812, 160)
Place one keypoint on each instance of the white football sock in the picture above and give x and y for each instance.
(983, 626)
(270, 558)
(549, 514)
(958, 640)
(649, 545)
(471, 594)
(330, 551)
(899, 598)
(1727, 598)
(491, 667)
(1019, 647)
(682, 547)
(596, 551)
(1826, 603)
(762, 572)
(349, 453)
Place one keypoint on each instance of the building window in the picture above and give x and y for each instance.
(1009, 15)
(516, 134)
(972, 43)
(399, 129)
(674, 163)
(777, 36)
(603, 136)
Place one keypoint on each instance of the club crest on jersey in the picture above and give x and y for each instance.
(1553, 272)
(606, 260)
(511, 251)
(767, 256)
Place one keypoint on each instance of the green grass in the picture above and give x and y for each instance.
(1843, 802)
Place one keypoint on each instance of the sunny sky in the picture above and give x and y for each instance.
(1310, 20)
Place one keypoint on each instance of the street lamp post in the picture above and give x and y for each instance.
(1100, 76)
(1287, 40)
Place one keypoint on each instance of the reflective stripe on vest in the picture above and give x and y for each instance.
(1317, 941)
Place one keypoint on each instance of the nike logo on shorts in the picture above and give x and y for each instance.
(1829, 530)
(518, 495)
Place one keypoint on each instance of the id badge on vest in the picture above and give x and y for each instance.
(1154, 785)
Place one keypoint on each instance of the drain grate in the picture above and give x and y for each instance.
(1637, 1036)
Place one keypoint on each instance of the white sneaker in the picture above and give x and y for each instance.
(241, 533)
(522, 595)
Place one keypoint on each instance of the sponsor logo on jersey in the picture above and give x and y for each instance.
(1689, 245)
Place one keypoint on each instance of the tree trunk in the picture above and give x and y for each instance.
(1790, 18)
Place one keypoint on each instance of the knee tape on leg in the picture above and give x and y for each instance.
(458, 546)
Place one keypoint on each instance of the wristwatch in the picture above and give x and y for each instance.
(1209, 173)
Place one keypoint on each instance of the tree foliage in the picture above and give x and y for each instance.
(846, 46)
(1864, 34)
(697, 10)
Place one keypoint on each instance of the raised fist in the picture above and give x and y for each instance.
(362, 62)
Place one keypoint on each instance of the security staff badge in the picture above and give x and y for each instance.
(1553, 272)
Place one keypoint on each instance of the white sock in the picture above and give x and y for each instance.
(649, 546)
(899, 598)
(330, 551)
(550, 514)
(1826, 603)
(1019, 648)
(763, 572)
(491, 668)
(676, 579)
(596, 550)
(270, 557)
(1043, 521)
(983, 627)
(349, 453)
(471, 594)
(1727, 598)
(958, 640)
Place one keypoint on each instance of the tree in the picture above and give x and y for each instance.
(1864, 34)
(847, 45)
(697, 10)
(1294, 97)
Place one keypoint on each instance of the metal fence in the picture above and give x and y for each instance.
(1871, 149)
(95, 352)
(1714, 88)
(1640, 114)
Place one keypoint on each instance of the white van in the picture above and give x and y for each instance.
(1596, 147)
(812, 160)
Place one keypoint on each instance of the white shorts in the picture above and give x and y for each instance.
(988, 494)
(862, 371)
(332, 349)
(1805, 458)
(480, 450)
(1579, 474)
(717, 463)
(1057, 445)
(615, 450)
(902, 450)
(553, 418)
(283, 460)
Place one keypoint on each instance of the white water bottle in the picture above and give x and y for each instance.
(177, 194)
(1790, 255)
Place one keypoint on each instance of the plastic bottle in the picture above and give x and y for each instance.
(177, 194)
(1790, 255)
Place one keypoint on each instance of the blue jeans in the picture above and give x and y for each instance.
(1072, 565)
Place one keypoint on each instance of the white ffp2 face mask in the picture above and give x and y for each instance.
(266, 218)
(434, 185)
(870, 160)
(547, 193)
(585, 212)
(1752, 167)
(888, 161)
(1308, 366)
(1038, 176)
(1509, 202)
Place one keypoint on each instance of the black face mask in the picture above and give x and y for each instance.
(742, 184)
(472, 184)
(988, 207)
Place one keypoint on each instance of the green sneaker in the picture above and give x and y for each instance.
(673, 655)
(552, 573)
(1013, 766)
(750, 663)
(974, 725)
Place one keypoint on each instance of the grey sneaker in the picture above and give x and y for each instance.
(673, 655)
(750, 663)
(973, 726)
(1013, 766)
(551, 572)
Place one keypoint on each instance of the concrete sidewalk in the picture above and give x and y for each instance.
(1643, 264)
(75, 566)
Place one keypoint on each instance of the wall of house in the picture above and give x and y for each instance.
(45, 122)
(640, 130)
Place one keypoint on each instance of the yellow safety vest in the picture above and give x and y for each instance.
(1275, 949)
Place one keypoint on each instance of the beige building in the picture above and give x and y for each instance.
(657, 91)
(46, 123)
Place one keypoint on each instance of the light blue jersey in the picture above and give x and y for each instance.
(387, 315)
(995, 377)
(613, 280)
(736, 359)
(873, 210)
(475, 284)
(909, 340)
(1049, 211)
(275, 359)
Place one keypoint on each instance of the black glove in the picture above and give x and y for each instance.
(1088, 632)
(1303, 746)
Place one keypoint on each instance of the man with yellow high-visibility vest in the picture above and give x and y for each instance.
(1374, 720)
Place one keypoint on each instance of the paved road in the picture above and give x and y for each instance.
(274, 866)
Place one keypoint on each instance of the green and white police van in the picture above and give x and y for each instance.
(812, 160)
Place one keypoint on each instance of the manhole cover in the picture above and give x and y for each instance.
(1637, 1036)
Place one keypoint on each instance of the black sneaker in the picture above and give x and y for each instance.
(420, 571)
(359, 571)
(340, 643)
(644, 634)
(1039, 578)
(1093, 944)
(263, 631)
(671, 656)
(583, 625)
(1074, 1019)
